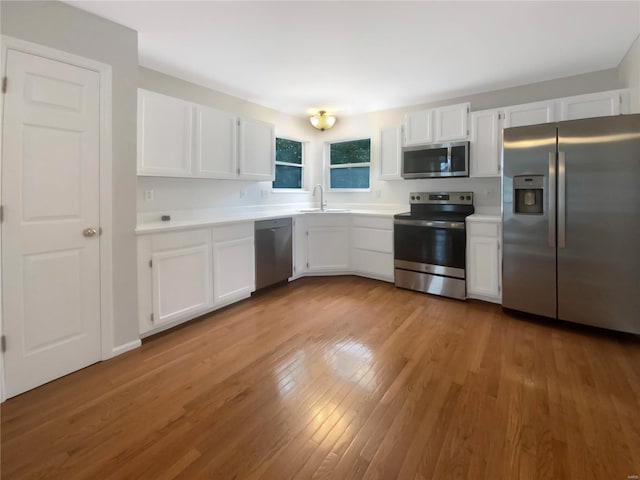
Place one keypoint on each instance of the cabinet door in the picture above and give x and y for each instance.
(215, 144)
(234, 269)
(327, 249)
(256, 144)
(485, 143)
(529, 114)
(451, 123)
(418, 127)
(391, 153)
(299, 246)
(600, 104)
(164, 135)
(182, 283)
(484, 266)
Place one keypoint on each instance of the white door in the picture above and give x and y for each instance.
(485, 143)
(327, 249)
(50, 193)
(599, 104)
(391, 153)
(529, 114)
(418, 127)
(234, 269)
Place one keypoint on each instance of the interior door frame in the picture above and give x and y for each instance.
(105, 169)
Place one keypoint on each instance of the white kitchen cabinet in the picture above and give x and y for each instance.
(418, 127)
(445, 124)
(599, 104)
(175, 277)
(233, 262)
(372, 246)
(182, 139)
(215, 144)
(451, 123)
(327, 243)
(484, 258)
(256, 150)
(530, 114)
(165, 129)
(299, 246)
(486, 139)
(391, 153)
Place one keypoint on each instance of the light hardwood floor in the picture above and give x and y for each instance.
(341, 378)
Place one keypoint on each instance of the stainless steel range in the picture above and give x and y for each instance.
(430, 243)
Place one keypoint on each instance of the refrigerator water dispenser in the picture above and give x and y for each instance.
(528, 194)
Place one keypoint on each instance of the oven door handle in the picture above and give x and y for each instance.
(430, 224)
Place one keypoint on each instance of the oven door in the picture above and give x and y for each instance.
(435, 247)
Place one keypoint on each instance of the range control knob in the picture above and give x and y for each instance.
(418, 197)
(412, 197)
(461, 197)
(468, 197)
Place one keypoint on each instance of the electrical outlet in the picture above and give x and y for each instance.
(242, 193)
(264, 193)
(378, 193)
(148, 195)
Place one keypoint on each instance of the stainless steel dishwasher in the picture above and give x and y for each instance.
(273, 251)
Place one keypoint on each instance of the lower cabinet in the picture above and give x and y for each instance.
(233, 263)
(372, 246)
(484, 259)
(185, 274)
(327, 243)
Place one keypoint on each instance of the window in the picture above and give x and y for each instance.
(289, 164)
(349, 164)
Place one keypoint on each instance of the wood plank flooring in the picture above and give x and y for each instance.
(341, 378)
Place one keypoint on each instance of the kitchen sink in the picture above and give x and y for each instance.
(326, 210)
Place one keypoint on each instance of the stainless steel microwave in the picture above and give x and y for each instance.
(436, 160)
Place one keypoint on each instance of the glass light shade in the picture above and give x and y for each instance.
(321, 121)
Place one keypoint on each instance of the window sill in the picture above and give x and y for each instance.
(349, 190)
(289, 190)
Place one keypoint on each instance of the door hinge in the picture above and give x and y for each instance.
(307, 233)
(238, 122)
(467, 132)
(4, 84)
(307, 264)
(152, 317)
(468, 110)
(1, 213)
(150, 263)
(3, 343)
(238, 170)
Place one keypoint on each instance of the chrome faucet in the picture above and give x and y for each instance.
(322, 202)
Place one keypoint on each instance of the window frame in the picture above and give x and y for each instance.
(301, 166)
(328, 167)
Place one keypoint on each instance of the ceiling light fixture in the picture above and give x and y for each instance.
(322, 121)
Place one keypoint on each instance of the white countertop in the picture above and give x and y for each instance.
(486, 214)
(185, 220)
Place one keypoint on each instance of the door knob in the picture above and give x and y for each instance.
(89, 232)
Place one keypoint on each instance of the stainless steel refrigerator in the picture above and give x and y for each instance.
(571, 221)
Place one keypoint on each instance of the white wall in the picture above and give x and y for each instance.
(177, 194)
(629, 71)
(66, 28)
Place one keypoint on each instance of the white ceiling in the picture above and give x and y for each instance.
(354, 57)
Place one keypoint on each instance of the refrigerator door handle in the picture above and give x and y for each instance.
(551, 195)
(562, 201)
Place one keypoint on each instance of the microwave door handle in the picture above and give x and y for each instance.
(448, 159)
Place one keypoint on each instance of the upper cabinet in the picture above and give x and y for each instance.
(529, 114)
(451, 123)
(485, 143)
(391, 153)
(165, 129)
(599, 104)
(182, 139)
(256, 145)
(438, 125)
(215, 144)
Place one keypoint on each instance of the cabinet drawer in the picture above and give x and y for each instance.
(372, 239)
(230, 232)
(367, 221)
(173, 240)
(484, 229)
(373, 263)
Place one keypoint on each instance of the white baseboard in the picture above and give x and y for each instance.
(120, 349)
